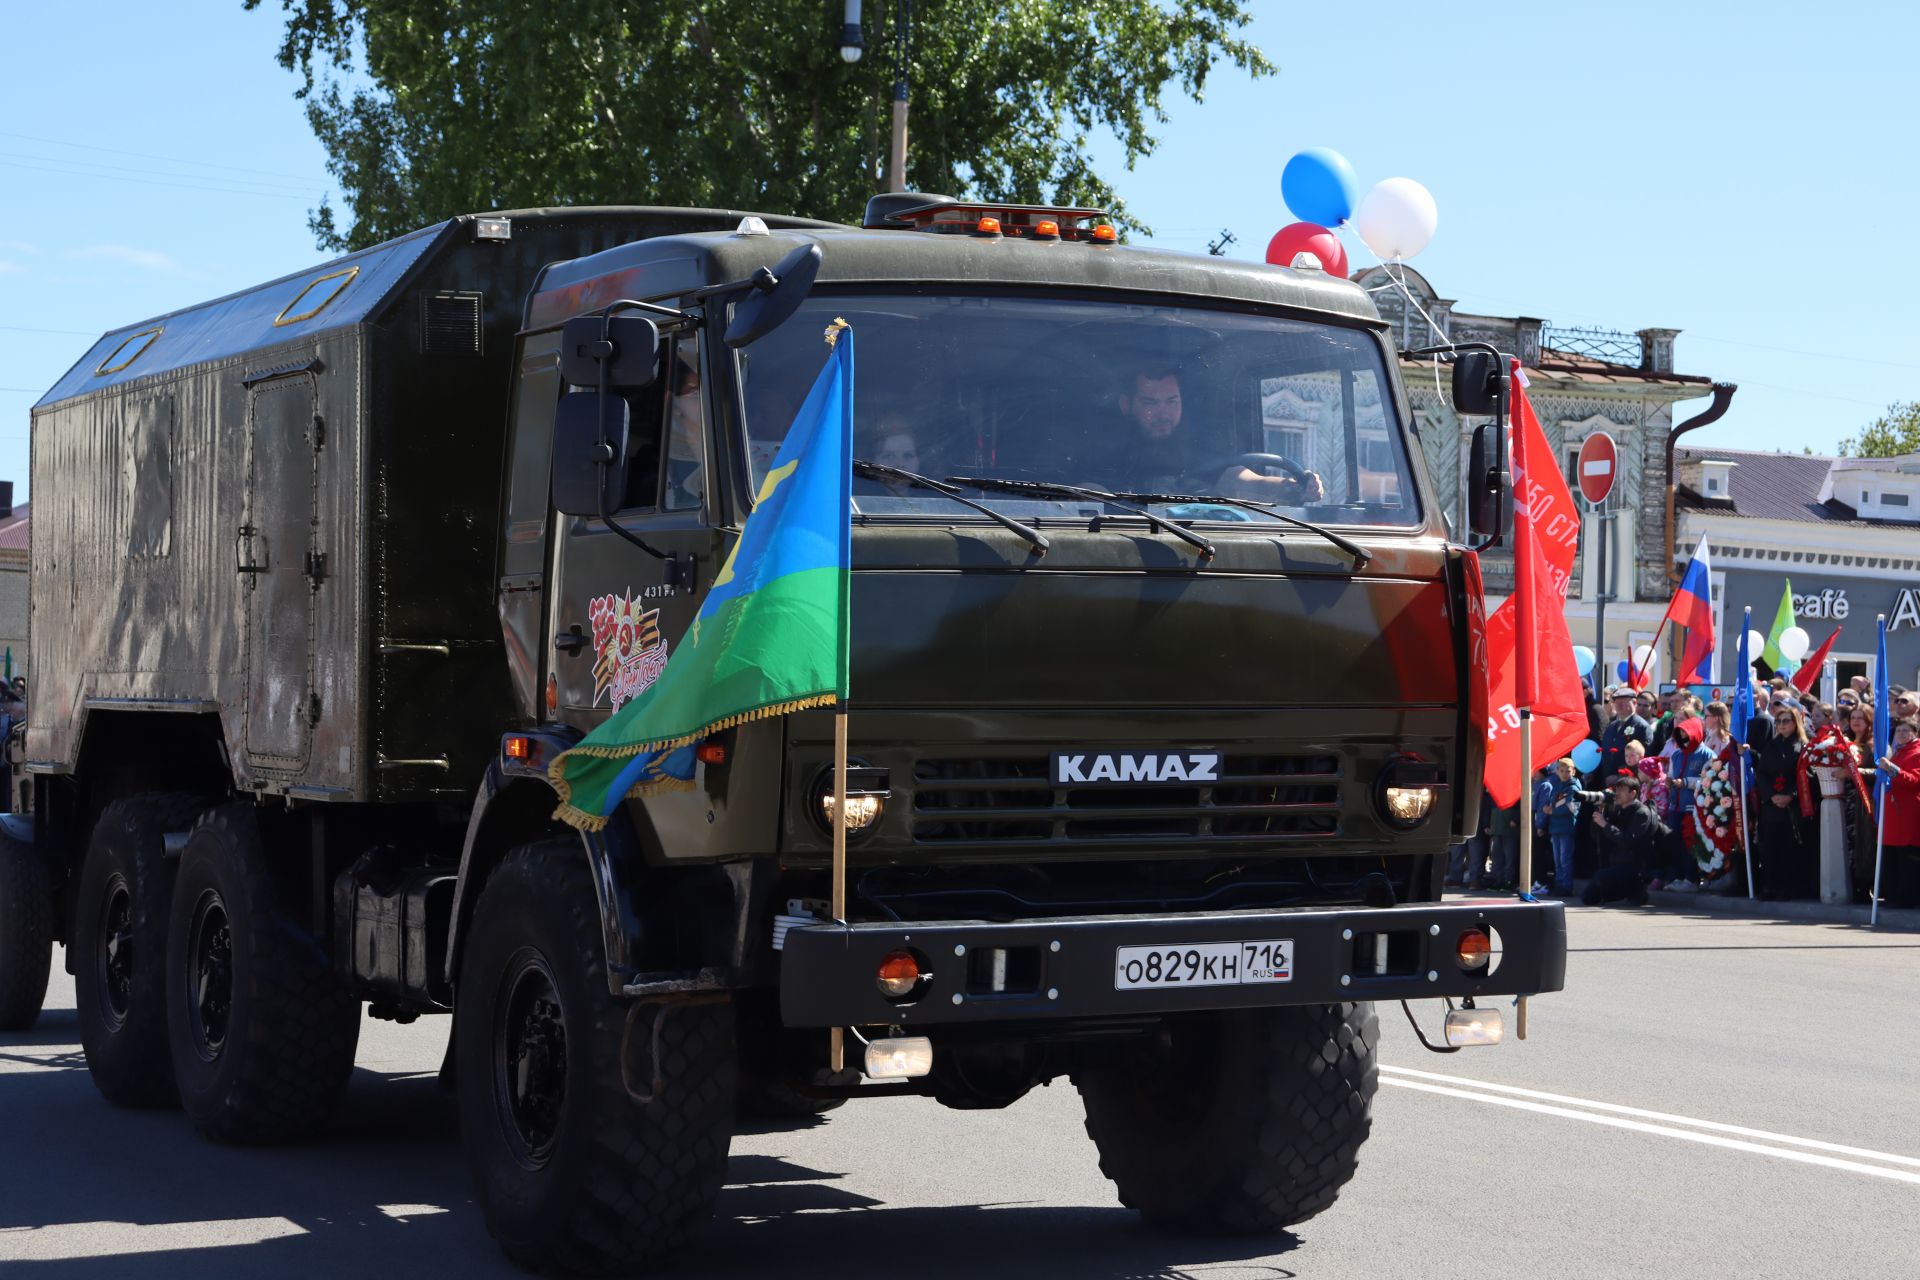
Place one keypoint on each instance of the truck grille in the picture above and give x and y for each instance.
(1013, 800)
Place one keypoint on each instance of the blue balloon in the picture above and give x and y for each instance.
(1621, 667)
(1586, 756)
(1319, 186)
(1785, 667)
(1583, 660)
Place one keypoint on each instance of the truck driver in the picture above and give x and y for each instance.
(1158, 456)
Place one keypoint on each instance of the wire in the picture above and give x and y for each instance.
(149, 182)
(95, 166)
(143, 155)
(22, 328)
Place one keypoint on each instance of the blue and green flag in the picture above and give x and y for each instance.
(771, 636)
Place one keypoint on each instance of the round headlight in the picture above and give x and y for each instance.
(862, 811)
(1409, 805)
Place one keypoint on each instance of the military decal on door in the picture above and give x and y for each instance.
(629, 652)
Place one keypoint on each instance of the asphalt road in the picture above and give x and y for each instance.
(1800, 1042)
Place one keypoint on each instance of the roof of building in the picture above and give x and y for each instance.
(1563, 366)
(13, 530)
(1780, 486)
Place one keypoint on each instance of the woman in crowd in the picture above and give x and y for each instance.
(1685, 757)
(1859, 728)
(1901, 870)
(1783, 852)
(1856, 722)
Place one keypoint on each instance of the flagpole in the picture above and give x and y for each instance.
(1525, 886)
(836, 1045)
(1879, 854)
(1746, 836)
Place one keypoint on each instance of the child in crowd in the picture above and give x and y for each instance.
(1562, 805)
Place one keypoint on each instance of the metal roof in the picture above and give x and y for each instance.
(1777, 486)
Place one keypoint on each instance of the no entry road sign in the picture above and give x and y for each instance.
(1599, 464)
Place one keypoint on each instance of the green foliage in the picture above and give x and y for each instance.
(429, 108)
(1893, 433)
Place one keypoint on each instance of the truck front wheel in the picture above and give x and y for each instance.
(26, 932)
(1245, 1121)
(261, 1030)
(596, 1127)
(120, 946)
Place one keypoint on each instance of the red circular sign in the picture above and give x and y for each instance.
(1599, 464)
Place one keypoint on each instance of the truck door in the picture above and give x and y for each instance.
(275, 541)
(617, 618)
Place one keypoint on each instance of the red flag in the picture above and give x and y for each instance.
(1810, 668)
(1530, 655)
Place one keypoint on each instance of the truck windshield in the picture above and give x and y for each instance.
(1177, 402)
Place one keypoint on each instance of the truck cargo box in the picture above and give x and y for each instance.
(281, 508)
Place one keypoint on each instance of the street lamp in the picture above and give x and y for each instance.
(903, 53)
(852, 44)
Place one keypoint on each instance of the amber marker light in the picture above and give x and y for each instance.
(1473, 949)
(711, 753)
(898, 975)
(518, 747)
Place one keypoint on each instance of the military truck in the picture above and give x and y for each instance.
(1167, 703)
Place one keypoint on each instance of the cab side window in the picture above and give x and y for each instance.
(666, 439)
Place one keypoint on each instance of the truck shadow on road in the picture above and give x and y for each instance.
(87, 1190)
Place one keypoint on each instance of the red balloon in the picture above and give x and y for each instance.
(1313, 238)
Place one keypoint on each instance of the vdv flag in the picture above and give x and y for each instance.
(1882, 717)
(1692, 608)
(771, 636)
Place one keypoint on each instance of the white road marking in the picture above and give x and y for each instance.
(1666, 1117)
(1687, 1135)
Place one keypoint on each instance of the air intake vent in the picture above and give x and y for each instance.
(450, 324)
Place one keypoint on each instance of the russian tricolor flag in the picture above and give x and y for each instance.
(1692, 608)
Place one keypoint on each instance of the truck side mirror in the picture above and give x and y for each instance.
(1489, 487)
(774, 296)
(581, 463)
(1476, 383)
(627, 349)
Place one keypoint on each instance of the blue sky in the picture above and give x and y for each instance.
(1748, 174)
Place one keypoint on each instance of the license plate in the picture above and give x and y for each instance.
(1206, 964)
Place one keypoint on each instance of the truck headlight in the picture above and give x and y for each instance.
(1409, 804)
(867, 791)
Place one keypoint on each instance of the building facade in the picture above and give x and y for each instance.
(13, 580)
(1580, 381)
(1841, 535)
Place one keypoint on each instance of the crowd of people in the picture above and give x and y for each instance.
(1667, 806)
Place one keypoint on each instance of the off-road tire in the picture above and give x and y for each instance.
(1242, 1122)
(26, 932)
(621, 1165)
(279, 1063)
(120, 946)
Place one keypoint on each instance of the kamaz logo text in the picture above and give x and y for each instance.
(1142, 766)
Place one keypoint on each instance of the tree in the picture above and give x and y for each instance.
(1893, 433)
(429, 108)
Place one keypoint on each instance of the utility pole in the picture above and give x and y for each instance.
(903, 51)
(1218, 248)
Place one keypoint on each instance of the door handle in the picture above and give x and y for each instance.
(244, 549)
(572, 640)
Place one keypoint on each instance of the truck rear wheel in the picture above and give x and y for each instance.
(1246, 1121)
(584, 1160)
(262, 1031)
(26, 932)
(120, 946)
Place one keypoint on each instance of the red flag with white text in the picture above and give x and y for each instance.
(1530, 655)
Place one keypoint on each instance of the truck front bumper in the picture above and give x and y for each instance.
(1069, 967)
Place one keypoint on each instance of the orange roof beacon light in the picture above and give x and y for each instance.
(987, 227)
(1046, 229)
(1105, 233)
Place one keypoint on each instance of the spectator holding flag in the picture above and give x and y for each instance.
(1902, 832)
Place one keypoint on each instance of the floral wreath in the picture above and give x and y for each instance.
(1716, 814)
(1831, 750)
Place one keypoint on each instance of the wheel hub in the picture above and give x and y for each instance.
(530, 1059)
(209, 975)
(113, 962)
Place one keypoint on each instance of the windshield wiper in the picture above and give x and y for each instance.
(875, 470)
(1038, 487)
(1361, 556)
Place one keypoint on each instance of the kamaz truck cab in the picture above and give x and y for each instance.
(1167, 702)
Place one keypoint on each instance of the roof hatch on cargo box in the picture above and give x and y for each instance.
(127, 352)
(313, 299)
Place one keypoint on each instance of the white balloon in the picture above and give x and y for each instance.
(1397, 219)
(1756, 645)
(1794, 643)
(1644, 658)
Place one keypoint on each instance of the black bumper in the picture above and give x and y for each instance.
(1066, 967)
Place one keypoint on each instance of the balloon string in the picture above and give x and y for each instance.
(1401, 284)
